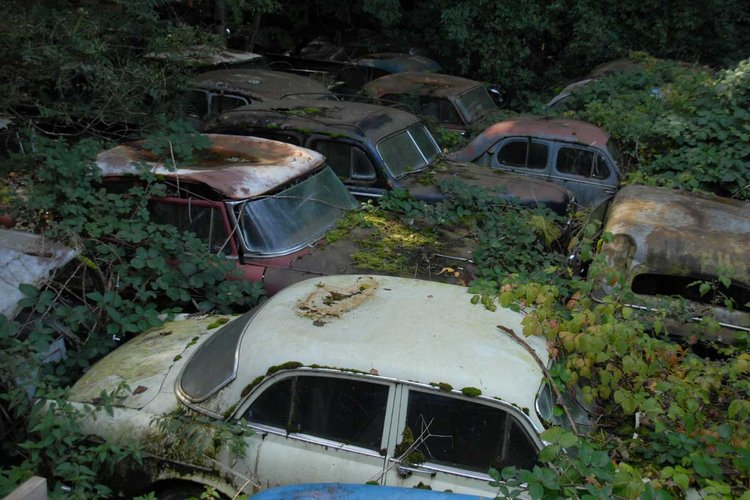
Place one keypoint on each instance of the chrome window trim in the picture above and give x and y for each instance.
(307, 438)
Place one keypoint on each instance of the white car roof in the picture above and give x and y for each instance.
(399, 328)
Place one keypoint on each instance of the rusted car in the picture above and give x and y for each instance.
(605, 69)
(204, 57)
(570, 153)
(221, 90)
(683, 254)
(272, 208)
(375, 149)
(371, 66)
(454, 102)
(344, 378)
(261, 203)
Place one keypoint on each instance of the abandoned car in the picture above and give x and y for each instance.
(221, 90)
(375, 149)
(453, 102)
(573, 154)
(342, 378)
(276, 210)
(371, 66)
(262, 203)
(682, 254)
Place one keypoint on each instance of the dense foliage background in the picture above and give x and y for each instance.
(75, 76)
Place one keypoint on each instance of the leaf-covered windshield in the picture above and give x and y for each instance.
(409, 150)
(286, 221)
(475, 104)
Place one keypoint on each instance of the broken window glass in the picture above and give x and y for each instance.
(467, 434)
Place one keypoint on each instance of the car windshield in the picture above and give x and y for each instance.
(475, 104)
(289, 220)
(409, 150)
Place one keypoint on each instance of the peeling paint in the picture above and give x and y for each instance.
(327, 303)
(238, 167)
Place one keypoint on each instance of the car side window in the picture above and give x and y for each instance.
(466, 434)
(340, 409)
(582, 162)
(600, 169)
(206, 222)
(523, 153)
(442, 109)
(348, 161)
(195, 103)
(221, 103)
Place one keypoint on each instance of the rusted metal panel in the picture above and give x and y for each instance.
(27, 258)
(430, 84)
(573, 131)
(680, 233)
(237, 167)
(668, 241)
(259, 84)
(521, 189)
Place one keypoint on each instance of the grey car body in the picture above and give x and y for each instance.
(221, 90)
(570, 153)
(375, 149)
(666, 244)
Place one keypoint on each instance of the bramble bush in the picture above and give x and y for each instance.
(677, 125)
(130, 275)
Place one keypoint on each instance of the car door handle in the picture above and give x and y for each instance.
(407, 470)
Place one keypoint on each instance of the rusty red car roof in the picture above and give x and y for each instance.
(558, 129)
(237, 167)
(435, 84)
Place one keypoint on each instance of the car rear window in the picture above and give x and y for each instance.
(476, 103)
(214, 364)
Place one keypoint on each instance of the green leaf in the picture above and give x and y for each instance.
(549, 453)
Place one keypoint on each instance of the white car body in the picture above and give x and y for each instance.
(403, 340)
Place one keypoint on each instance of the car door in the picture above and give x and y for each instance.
(207, 219)
(523, 155)
(587, 172)
(353, 166)
(448, 441)
(317, 427)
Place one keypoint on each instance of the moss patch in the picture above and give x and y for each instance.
(217, 323)
(289, 365)
(472, 392)
(384, 243)
(249, 387)
(442, 386)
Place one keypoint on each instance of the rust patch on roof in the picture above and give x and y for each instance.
(433, 84)
(529, 126)
(237, 167)
(327, 303)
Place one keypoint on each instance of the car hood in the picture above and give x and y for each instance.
(523, 190)
(147, 364)
(452, 255)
